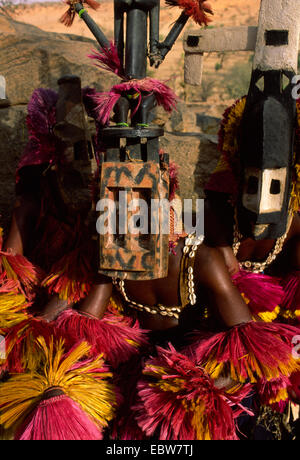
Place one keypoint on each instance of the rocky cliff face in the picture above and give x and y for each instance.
(31, 58)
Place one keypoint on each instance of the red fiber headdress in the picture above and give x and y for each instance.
(196, 9)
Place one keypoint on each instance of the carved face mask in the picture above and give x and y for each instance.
(266, 152)
(74, 180)
(263, 195)
(77, 162)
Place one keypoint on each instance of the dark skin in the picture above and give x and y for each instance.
(258, 250)
(210, 270)
(287, 261)
(211, 276)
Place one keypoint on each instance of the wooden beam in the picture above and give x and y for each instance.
(221, 39)
(225, 39)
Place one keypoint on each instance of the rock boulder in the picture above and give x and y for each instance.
(32, 58)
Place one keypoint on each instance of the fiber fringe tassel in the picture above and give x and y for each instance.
(263, 293)
(13, 306)
(113, 335)
(56, 419)
(178, 401)
(249, 351)
(274, 393)
(108, 59)
(15, 267)
(106, 101)
(196, 9)
(125, 427)
(71, 276)
(83, 408)
(22, 350)
(68, 17)
(291, 300)
(295, 384)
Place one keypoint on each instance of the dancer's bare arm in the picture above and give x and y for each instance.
(224, 297)
(96, 302)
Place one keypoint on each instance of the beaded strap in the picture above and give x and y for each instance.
(259, 267)
(154, 310)
(187, 292)
(187, 287)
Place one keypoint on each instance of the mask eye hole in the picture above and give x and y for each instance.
(275, 187)
(252, 187)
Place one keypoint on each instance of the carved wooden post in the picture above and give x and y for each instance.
(2, 87)
(278, 35)
(267, 130)
(3, 101)
(277, 20)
